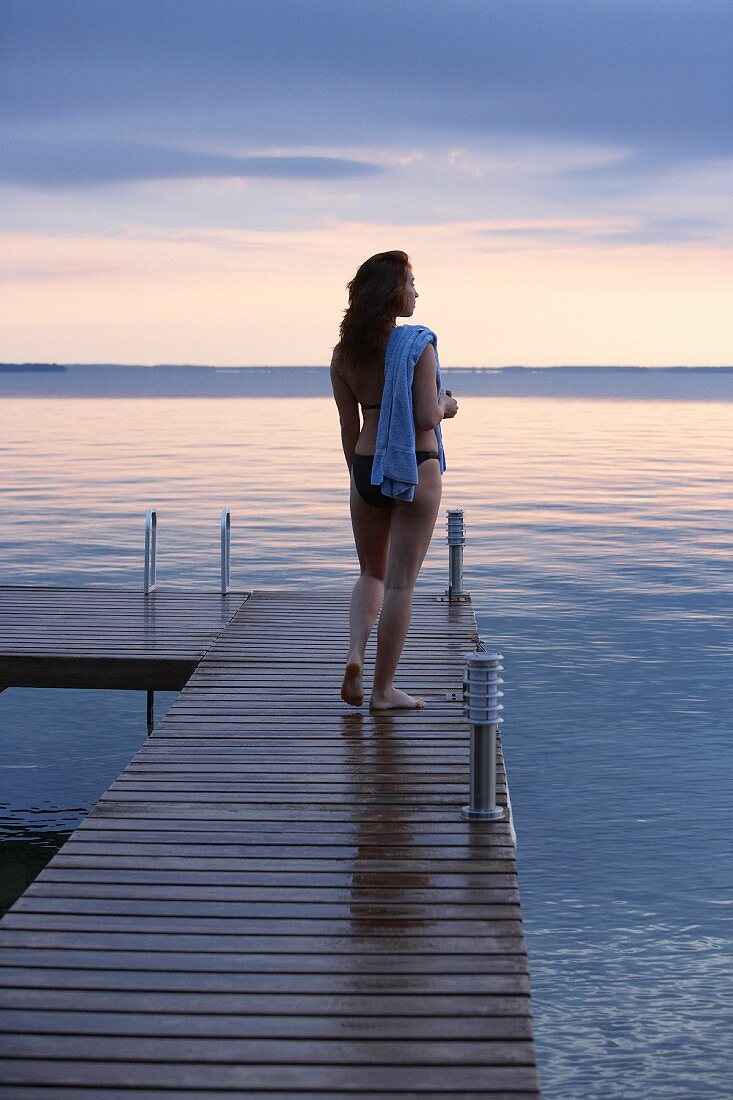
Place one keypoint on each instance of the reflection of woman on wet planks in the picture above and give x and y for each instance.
(395, 458)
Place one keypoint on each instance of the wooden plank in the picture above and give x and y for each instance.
(288, 916)
(499, 940)
(297, 1051)
(240, 1025)
(324, 883)
(236, 814)
(251, 962)
(55, 1092)
(282, 928)
(258, 1078)
(198, 982)
(338, 1003)
(290, 860)
(339, 830)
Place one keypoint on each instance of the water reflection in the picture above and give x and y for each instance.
(382, 896)
(25, 852)
(59, 750)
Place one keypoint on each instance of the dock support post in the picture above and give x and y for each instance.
(151, 548)
(456, 542)
(226, 550)
(481, 697)
(151, 711)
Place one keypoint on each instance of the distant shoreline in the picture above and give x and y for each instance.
(108, 380)
(53, 367)
(45, 368)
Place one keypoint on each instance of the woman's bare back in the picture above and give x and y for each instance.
(367, 385)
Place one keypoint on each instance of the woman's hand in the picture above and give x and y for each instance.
(450, 405)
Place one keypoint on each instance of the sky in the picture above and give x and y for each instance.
(195, 181)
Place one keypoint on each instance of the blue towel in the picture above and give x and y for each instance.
(395, 465)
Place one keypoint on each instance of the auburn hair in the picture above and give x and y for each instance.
(376, 296)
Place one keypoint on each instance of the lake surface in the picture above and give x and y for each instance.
(600, 561)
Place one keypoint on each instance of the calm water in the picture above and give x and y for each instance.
(600, 561)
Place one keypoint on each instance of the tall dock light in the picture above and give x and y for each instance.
(481, 697)
(226, 550)
(151, 550)
(456, 542)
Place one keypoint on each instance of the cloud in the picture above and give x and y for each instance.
(668, 231)
(653, 231)
(648, 75)
(89, 163)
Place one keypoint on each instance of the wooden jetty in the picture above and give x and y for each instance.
(277, 897)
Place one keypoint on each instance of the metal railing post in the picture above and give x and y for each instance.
(226, 550)
(456, 542)
(151, 547)
(481, 697)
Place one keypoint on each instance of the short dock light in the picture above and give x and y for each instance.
(151, 549)
(481, 697)
(456, 542)
(226, 550)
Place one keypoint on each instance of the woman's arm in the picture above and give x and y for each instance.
(348, 408)
(429, 407)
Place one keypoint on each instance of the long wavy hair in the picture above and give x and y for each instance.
(376, 296)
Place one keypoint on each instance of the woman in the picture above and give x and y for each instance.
(393, 519)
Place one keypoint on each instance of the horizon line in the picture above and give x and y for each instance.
(20, 366)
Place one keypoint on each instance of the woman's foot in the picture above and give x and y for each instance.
(352, 688)
(394, 699)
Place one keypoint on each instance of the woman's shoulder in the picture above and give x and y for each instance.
(413, 341)
(415, 332)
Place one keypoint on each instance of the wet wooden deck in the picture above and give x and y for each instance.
(277, 898)
(107, 638)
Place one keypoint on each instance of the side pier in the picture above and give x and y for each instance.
(107, 637)
(277, 897)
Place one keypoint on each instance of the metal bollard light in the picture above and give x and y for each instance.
(456, 542)
(481, 697)
(226, 550)
(151, 548)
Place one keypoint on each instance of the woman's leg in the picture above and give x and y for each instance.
(412, 528)
(371, 535)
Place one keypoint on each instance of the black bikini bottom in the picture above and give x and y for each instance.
(372, 494)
